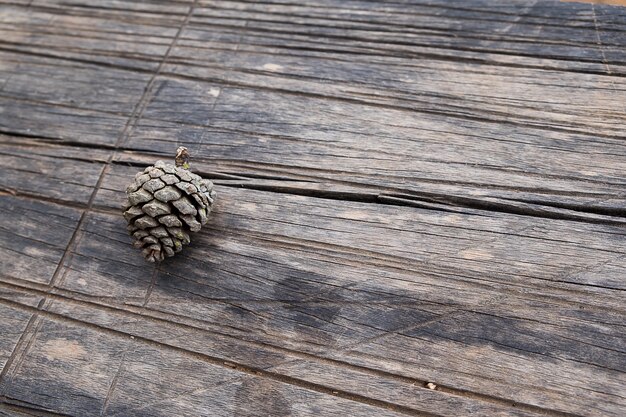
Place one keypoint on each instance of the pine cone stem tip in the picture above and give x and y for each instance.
(182, 157)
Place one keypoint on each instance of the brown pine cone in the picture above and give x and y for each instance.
(165, 203)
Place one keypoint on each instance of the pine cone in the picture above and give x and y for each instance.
(165, 203)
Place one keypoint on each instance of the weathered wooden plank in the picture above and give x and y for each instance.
(208, 385)
(528, 34)
(53, 123)
(75, 103)
(58, 176)
(512, 353)
(531, 28)
(115, 91)
(514, 99)
(34, 237)
(123, 34)
(401, 75)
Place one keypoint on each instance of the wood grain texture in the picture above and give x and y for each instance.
(421, 208)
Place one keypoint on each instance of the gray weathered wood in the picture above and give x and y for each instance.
(409, 194)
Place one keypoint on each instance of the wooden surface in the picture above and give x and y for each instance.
(421, 208)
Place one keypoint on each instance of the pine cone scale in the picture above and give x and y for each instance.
(169, 179)
(168, 193)
(139, 196)
(153, 185)
(170, 221)
(156, 208)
